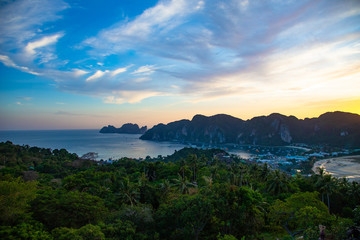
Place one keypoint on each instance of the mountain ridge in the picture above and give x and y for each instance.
(331, 128)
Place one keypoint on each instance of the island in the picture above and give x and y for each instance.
(339, 129)
(127, 128)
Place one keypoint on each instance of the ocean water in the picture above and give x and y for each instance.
(80, 142)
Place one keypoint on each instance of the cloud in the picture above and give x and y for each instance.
(79, 72)
(234, 48)
(216, 49)
(43, 42)
(105, 74)
(25, 98)
(21, 20)
(96, 75)
(121, 97)
(145, 70)
(9, 63)
(66, 113)
(160, 19)
(120, 70)
(23, 42)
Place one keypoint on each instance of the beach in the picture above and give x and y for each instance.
(348, 167)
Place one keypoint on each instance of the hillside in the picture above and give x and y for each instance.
(53, 195)
(332, 128)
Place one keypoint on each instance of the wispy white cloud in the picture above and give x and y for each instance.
(67, 113)
(107, 73)
(215, 49)
(96, 75)
(314, 72)
(9, 63)
(160, 19)
(79, 72)
(25, 98)
(120, 70)
(23, 42)
(43, 42)
(145, 70)
(21, 20)
(121, 97)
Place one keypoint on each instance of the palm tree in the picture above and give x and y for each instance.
(151, 172)
(265, 171)
(165, 188)
(208, 181)
(278, 183)
(321, 171)
(129, 191)
(183, 184)
(182, 168)
(353, 191)
(235, 179)
(326, 185)
(193, 160)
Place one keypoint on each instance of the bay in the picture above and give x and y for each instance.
(80, 142)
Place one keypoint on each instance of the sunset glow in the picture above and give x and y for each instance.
(85, 64)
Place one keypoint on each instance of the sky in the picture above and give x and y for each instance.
(83, 64)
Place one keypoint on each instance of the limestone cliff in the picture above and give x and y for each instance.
(333, 128)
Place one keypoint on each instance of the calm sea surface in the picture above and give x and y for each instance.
(83, 141)
(107, 146)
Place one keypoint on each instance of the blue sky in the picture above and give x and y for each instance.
(84, 64)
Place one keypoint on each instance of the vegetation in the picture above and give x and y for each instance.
(193, 194)
(334, 129)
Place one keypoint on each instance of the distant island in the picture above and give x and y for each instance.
(339, 129)
(128, 128)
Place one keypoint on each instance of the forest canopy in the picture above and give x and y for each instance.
(192, 194)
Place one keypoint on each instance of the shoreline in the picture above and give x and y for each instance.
(339, 167)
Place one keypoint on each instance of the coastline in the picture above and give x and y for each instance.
(339, 167)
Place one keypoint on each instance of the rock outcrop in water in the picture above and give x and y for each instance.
(332, 128)
(128, 128)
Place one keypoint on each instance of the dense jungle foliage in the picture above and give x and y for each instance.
(193, 194)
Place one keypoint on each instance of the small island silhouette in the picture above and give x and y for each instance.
(128, 128)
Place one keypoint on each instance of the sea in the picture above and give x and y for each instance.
(107, 146)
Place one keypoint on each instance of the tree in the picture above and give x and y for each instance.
(227, 237)
(278, 183)
(91, 232)
(57, 208)
(129, 191)
(196, 214)
(121, 230)
(25, 230)
(165, 189)
(298, 212)
(193, 162)
(140, 215)
(183, 184)
(87, 232)
(15, 196)
(326, 185)
(185, 217)
(238, 208)
(208, 181)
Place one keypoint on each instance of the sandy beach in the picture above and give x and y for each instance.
(348, 167)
